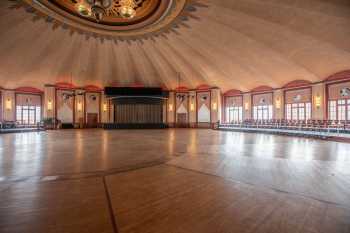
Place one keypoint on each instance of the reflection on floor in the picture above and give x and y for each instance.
(176, 181)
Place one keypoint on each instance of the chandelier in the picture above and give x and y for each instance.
(126, 8)
(99, 7)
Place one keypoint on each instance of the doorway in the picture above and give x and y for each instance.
(92, 120)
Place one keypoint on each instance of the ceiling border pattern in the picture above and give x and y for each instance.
(177, 17)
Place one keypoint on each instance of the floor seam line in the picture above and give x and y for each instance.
(110, 206)
(260, 186)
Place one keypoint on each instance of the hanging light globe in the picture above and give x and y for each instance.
(127, 9)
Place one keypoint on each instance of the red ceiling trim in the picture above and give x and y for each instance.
(297, 83)
(63, 85)
(233, 92)
(92, 88)
(29, 90)
(203, 87)
(181, 88)
(343, 75)
(262, 89)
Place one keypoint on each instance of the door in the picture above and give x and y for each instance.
(92, 120)
(182, 120)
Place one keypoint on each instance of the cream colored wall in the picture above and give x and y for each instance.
(278, 104)
(318, 113)
(318, 91)
(49, 97)
(8, 106)
(92, 106)
(79, 107)
(247, 102)
(171, 108)
(105, 108)
(192, 108)
(215, 105)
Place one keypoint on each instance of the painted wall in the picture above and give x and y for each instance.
(65, 106)
(193, 100)
(318, 95)
(339, 91)
(278, 104)
(105, 108)
(92, 104)
(9, 107)
(182, 108)
(79, 108)
(215, 105)
(49, 101)
(247, 106)
(171, 108)
(192, 108)
(203, 107)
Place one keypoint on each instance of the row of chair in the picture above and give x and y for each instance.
(307, 125)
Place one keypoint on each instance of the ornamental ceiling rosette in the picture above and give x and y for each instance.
(152, 17)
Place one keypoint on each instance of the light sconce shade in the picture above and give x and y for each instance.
(215, 106)
(318, 101)
(246, 106)
(49, 105)
(105, 107)
(170, 107)
(8, 105)
(278, 103)
(79, 106)
(192, 107)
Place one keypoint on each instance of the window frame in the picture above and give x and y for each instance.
(337, 107)
(293, 111)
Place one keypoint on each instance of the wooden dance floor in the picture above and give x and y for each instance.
(172, 181)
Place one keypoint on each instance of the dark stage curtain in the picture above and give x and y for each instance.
(138, 111)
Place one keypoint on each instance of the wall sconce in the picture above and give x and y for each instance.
(8, 105)
(192, 107)
(49, 105)
(170, 107)
(246, 106)
(79, 106)
(278, 103)
(215, 106)
(318, 101)
(105, 107)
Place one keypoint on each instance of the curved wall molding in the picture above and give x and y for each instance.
(233, 92)
(343, 75)
(297, 84)
(262, 89)
(30, 90)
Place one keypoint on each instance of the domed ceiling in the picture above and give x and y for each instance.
(232, 44)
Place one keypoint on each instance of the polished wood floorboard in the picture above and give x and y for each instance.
(176, 181)
(55, 207)
(182, 201)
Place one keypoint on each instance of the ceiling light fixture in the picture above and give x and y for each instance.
(99, 7)
(127, 8)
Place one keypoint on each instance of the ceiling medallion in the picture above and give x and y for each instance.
(113, 19)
